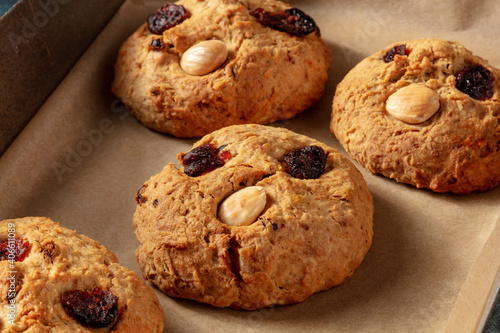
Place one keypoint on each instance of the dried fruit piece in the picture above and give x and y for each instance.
(203, 159)
(243, 207)
(413, 104)
(204, 57)
(91, 309)
(306, 163)
(156, 44)
(14, 249)
(138, 196)
(293, 21)
(166, 17)
(475, 81)
(399, 50)
(48, 250)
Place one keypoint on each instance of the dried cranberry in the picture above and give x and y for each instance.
(398, 49)
(156, 44)
(306, 163)
(48, 250)
(203, 159)
(92, 309)
(138, 196)
(16, 250)
(293, 21)
(166, 17)
(476, 81)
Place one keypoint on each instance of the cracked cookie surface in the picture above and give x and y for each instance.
(311, 235)
(268, 75)
(59, 261)
(456, 150)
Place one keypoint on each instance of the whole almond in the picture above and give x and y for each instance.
(204, 57)
(243, 207)
(413, 104)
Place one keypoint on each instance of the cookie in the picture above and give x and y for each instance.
(256, 216)
(423, 112)
(197, 66)
(53, 279)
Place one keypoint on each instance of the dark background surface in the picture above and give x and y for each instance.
(29, 50)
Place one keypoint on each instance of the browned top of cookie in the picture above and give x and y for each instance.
(311, 235)
(268, 74)
(53, 273)
(451, 147)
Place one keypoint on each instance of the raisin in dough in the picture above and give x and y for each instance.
(456, 150)
(59, 260)
(311, 235)
(269, 75)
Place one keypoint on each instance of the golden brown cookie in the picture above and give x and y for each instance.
(219, 63)
(298, 219)
(423, 112)
(53, 279)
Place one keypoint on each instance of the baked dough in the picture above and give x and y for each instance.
(312, 234)
(456, 150)
(58, 260)
(269, 75)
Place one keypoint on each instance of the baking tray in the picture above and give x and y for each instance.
(434, 258)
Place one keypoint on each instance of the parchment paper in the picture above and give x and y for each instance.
(434, 257)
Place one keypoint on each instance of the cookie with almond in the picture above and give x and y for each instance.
(424, 112)
(255, 216)
(197, 66)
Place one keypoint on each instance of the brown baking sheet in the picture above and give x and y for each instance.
(434, 257)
